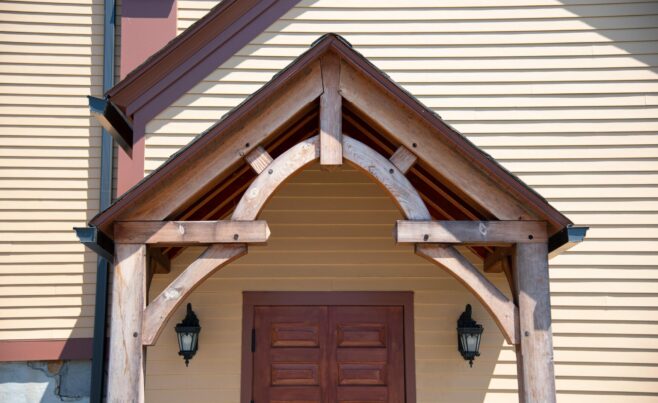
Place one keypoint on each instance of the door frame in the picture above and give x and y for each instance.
(251, 299)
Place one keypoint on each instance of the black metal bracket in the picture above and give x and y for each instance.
(114, 121)
(565, 239)
(97, 241)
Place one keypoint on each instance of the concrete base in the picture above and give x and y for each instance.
(45, 382)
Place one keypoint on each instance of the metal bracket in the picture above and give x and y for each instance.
(114, 121)
(97, 241)
(565, 239)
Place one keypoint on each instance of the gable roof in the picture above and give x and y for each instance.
(194, 54)
(220, 148)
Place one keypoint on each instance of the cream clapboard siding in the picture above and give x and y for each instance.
(330, 231)
(562, 93)
(50, 59)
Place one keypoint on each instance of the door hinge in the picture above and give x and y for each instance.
(253, 343)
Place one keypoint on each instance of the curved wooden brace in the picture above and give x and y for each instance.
(158, 312)
(503, 311)
(376, 166)
(383, 172)
(277, 172)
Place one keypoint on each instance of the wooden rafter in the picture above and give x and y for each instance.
(381, 108)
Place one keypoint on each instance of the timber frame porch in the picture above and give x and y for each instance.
(331, 105)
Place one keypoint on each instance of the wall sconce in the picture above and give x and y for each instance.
(468, 336)
(188, 335)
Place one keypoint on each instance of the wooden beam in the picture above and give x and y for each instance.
(331, 119)
(221, 148)
(494, 263)
(489, 233)
(126, 355)
(158, 312)
(501, 309)
(403, 159)
(537, 376)
(368, 160)
(283, 167)
(259, 159)
(388, 176)
(406, 128)
(185, 233)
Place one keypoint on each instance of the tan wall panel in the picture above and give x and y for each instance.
(50, 60)
(562, 92)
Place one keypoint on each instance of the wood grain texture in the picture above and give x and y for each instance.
(187, 233)
(388, 176)
(331, 120)
(254, 123)
(126, 355)
(403, 159)
(403, 126)
(537, 378)
(373, 164)
(471, 232)
(258, 159)
(501, 309)
(362, 343)
(283, 167)
(162, 307)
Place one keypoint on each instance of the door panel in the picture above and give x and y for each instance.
(329, 354)
(290, 360)
(367, 356)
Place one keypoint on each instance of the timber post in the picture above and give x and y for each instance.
(125, 381)
(535, 356)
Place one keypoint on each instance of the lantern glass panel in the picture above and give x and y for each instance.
(186, 340)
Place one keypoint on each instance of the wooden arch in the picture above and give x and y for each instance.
(376, 166)
(382, 171)
(347, 86)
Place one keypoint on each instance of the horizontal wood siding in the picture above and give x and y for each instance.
(326, 243)
(564, 93)
(50, 59)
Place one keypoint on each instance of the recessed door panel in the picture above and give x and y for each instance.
(328, 354)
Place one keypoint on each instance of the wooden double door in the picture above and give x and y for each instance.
(328, 354)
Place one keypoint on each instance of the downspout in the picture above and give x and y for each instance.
(103, 265)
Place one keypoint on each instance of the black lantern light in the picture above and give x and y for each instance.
(468, 336)
(188, 335)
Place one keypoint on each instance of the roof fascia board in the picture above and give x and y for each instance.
(332, 42)
(186, 60)
(475, 155)
(125, 203)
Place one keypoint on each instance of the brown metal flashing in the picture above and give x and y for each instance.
(194, 54)
(480, 160)
(46, 350)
